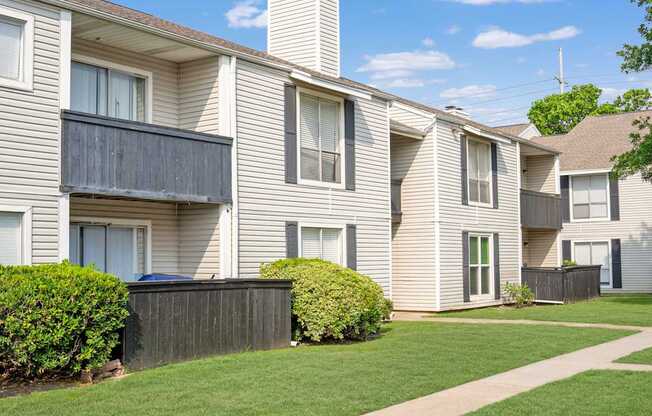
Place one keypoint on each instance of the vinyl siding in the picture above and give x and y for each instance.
(199, 240)
(540, 174)
(292, 31)
(541, 249)
(634, 229)
(198, 95)
(455, 218)
(413, 240)
(165, 77)
(29, 136)
(266, 202)
(329, 37)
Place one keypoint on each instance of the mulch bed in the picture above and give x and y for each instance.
(18, 388)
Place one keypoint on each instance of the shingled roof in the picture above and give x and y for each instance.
(594, 141)
(514, 129)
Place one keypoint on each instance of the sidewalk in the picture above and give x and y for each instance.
(477, 394)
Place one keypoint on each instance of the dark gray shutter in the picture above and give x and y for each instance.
(614, 199)
(290, 133)
(464, 171)
(291, 239)
(465, 267)
(351, 247)
(494, 172)
(349, 141)
(565, 198)
(566, 250)
(616, 264)
(497, 291)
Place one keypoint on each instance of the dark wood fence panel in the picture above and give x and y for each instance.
(567, 284)
(540, 210)
(113, 157)
(177, 321)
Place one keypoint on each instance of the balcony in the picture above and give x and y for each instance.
(397, 214)
(118, 158)
(540, 210)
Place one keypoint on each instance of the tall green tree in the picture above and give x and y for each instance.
(638, 58)
(559, 113)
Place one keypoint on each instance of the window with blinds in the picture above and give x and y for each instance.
(322, 243)
(319, 132)
(590, 195)
(11, 45)
(479, 157)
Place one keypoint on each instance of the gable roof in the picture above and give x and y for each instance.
(515, 129)
(594, 141)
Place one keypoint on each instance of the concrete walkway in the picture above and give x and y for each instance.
(477, 394)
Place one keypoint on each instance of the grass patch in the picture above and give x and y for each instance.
(594, 393)
(616, 309)
(641, 357)
(410, 360)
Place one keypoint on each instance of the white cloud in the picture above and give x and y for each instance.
(476, 91)
(521, 60)
(492, 2)
(428, 42)
(499, 38)
(453, 30)
(386, 65)
(246, 14)
(399, 73)
(610, 94)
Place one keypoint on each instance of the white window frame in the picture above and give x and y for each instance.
(599, 241)
(147, 75)
(490, 295)
(572, 203)
(25, 241)
(338, 226)
(342, 142)
(121, 222)
(489, 204)
(26, 59)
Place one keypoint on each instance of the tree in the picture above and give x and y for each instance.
(634, 100)
(638, 58)
(559, 113)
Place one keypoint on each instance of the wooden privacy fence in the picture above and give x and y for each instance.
(183, 320)
(565, 284)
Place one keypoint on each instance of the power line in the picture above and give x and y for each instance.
(511, 87)
(512, 96)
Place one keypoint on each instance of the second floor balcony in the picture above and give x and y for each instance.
(540, 210)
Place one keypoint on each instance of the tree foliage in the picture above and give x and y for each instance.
(637, 58)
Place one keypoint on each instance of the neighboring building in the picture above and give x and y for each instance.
(146, 147)
(606, 221)
(523, 130)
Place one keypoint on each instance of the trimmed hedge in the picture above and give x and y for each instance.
(330, 302)
(56, 320)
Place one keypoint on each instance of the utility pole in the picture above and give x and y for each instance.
(560, 78)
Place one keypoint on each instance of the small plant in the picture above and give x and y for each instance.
(521, 295)
(569, 263)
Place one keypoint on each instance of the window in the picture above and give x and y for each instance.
(320, 139)
(116, 249)
(107, 92)
(590, 196)
(595, 253)
(16, 49)
(479, 157)
(322, 243)
(480, 270)
(11, 238)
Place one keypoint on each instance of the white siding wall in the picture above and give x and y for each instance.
(329, 37)
(540, 176)
(266, 201)
(541, 250)
(634, 229)
(198, 95)
(199, 240)
(456, 218)
(29, 136)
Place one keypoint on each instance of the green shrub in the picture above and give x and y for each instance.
(569, 263)
(521, 295)
(59, 319)
(330, 302)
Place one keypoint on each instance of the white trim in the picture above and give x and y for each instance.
(492, 283)
(225, 221)
(26, 63)
(570, 201)
(341, 139)
(437, 213)
(322, 225)
(149, 77)
(519, 174)
(309, 79)
(479, 204)
(405, 134)
(135, 223)
(26, 255)
(557, 175)
(596, 241)
(65, 58)
(583, 172)
(478, 132)
(389, 193)
(64, 227)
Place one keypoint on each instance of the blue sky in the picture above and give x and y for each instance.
(491, 57)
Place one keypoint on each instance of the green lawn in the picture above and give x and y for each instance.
(410, 360)
(641, 357)
(616, 309)
(594, 393)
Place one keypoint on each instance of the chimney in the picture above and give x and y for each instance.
(457, 111)
(306, 33)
